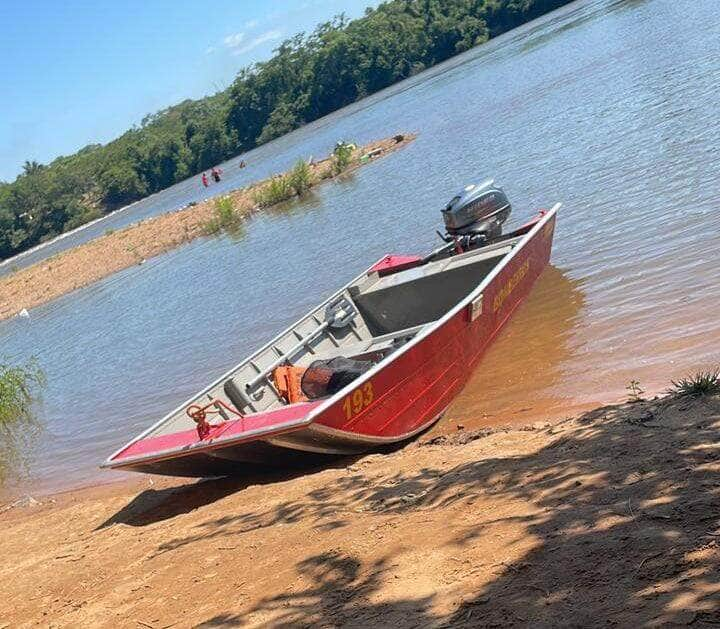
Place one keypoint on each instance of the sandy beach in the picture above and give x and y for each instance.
(118, 250)
(609, 518)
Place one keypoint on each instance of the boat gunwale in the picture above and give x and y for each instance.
(429, 329)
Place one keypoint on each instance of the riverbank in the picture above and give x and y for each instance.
(83, 265)
(607, 518)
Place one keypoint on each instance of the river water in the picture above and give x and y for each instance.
(607, 106)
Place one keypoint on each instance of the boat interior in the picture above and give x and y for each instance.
(367, 320)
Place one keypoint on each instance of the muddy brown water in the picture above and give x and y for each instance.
(607, 106)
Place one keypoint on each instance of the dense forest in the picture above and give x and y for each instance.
(309, 76)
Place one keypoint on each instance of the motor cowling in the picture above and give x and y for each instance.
(478, 212)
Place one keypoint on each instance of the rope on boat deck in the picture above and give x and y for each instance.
(199, 415)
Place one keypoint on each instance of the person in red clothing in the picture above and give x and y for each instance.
(204, 180)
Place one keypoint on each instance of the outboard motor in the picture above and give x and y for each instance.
(475, 216)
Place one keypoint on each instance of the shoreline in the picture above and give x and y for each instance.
(115, 251)
(59, 237)
(42, 489)
(611, 514)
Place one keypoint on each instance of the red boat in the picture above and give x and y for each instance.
(376, 363)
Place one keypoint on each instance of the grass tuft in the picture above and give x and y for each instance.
(274, 191)
(635, 391)
(699, 384)
(224, 216)
(300, 178)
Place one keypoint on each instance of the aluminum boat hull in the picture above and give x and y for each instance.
(403, 395)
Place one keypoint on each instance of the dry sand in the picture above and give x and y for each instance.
(92, 261)
(611, 518)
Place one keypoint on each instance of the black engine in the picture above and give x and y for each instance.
(473, 218)
(479, 210)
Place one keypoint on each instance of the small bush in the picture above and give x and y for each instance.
(20, 386)
(701, 383)
(277, 189)
(342, 156)
(225, 209)
(300, 177)
(17, 384)
(635, 391)
(224, 215)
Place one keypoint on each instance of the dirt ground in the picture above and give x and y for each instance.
(610, 518)
(113, 252)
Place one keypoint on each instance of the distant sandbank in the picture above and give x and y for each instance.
(118, 250)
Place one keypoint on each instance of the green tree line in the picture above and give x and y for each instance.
(308, 77)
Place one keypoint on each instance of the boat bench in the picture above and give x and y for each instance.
(365, 350)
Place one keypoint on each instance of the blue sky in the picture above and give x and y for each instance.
(77, 72)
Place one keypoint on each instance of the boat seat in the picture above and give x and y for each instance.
(355, 351)
(382, 345)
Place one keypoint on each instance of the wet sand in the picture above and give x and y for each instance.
(115, 251)
(608, 518)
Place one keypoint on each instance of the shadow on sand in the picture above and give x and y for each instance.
(624, 509)
(156, 505)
